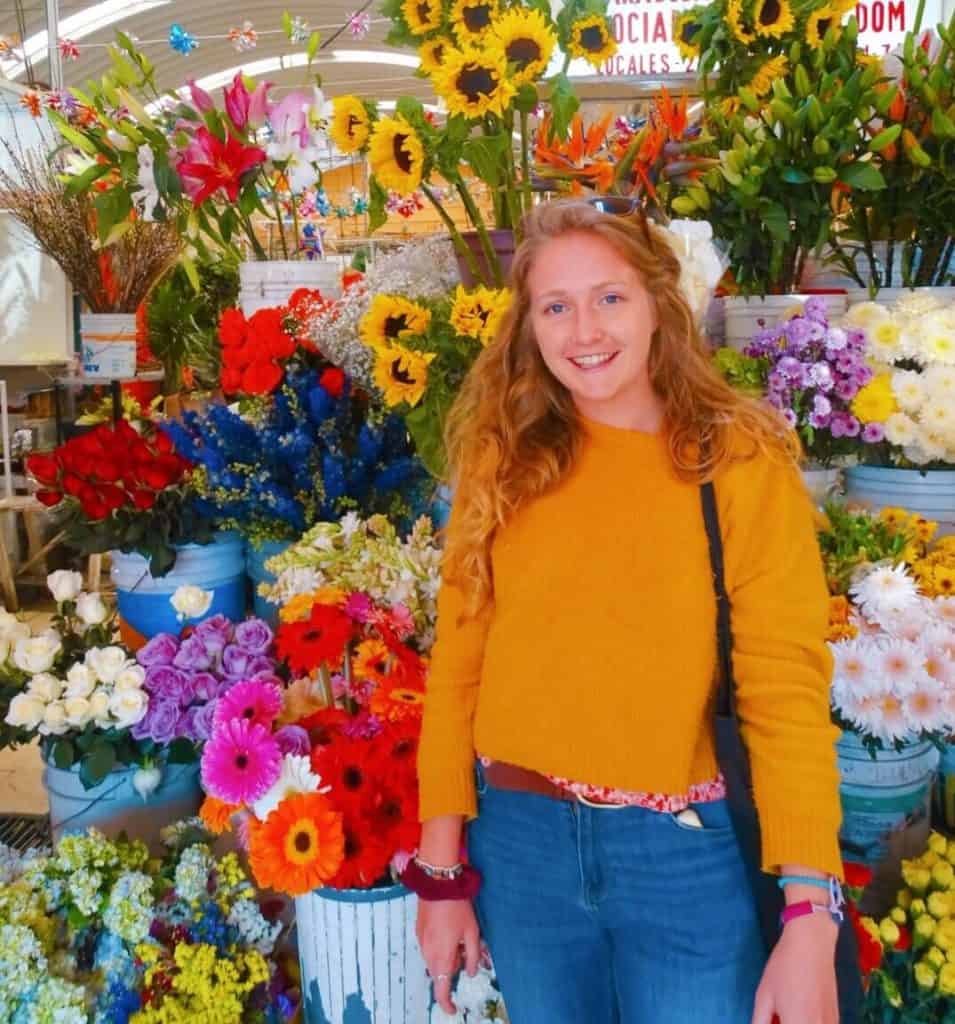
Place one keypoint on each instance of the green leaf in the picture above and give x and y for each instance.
(112, 207)
(162, 560)
(942, 125)
(97, 764)
(313, 43)
(63, 754)
(181, 751)
(410, 109)
(81, 183)
(71, 134)
(776, 221)
(486, 155)
(564, 103)
(794, 176)
(248, 200)
(377, 197)
(287, 24)
(862, 175)
(526, 99)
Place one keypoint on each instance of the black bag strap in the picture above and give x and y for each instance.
(726, 691)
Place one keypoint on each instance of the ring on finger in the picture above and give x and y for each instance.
(441, 977)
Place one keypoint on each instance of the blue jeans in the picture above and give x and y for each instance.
(614, 915)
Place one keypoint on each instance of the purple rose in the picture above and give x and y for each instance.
(160, 650)
(163, 720)
(293, 739)
(873, 433)
(205, 686)
(253, 636)
(235, 662)
(268, 676)
(193, 655)
(260, 665)
(164, 682)
(202, 720)
(214, 633)
(185, 727)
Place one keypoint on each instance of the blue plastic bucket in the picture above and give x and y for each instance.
(946, 789)
(930, 494)
(114, 806)
(255, 559)
(144, 602)
(360, 957)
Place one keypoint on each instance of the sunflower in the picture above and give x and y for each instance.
(686, 28)
(396, 701)
(401, 374)
(396, 155)
(474, 82)
(422, 16)
(300, 846)
(818, 25)
(350, 125)
(592, 39)
(431, 53)
(734, 18)
(774, 18)
(477, 313)
(526, 40)
(391, 317)
(774, 68)
(472, 18)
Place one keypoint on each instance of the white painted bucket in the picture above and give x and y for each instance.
(745, 316)
(266, 283)
(889, 296)
(108, 345)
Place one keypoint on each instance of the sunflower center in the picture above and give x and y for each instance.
(522, 52)
(770, 12)
(353, 124)
(424, 12)
(477, 18)
(399, 375)
(437, 54)
(592, 39)
(476, 81)
(395, 325)
(822, 26)
(401, 156)
(688, 32)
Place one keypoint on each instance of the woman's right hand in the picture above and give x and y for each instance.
(445, 928)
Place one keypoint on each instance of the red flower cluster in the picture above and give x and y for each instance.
(253, 350)
(109, 468)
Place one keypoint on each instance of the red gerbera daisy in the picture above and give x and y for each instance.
(394, 816)
(324, 727)
(366, 855)
(353, 768)
(321, 638)
(400, 741)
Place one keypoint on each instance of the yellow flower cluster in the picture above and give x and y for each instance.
(935, 571)
(926, 906)
(920, 529)
(206, 987)
(875, 402)
(840, 628)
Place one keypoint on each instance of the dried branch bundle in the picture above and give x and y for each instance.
(114, 279)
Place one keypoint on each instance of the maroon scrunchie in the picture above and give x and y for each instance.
(464, 887)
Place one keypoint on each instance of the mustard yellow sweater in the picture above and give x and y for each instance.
(597, 659)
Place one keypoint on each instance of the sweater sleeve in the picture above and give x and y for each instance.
(446, 753)
(782, 664)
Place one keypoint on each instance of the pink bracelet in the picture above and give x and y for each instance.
(806, 907)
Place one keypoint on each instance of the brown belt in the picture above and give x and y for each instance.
(511, 776)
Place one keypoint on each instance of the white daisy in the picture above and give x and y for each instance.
(884, 589)
(853, 665)
(899, 665)
(924, 707)
(939, 380)
(900, 429)
(909, 390)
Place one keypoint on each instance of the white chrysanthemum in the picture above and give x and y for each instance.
(853, 670)
(909, 390)
(939, 381)
(884, 717)
(938, 345)
(296, 777)
(944, 609)
(884, 340)
(886, 588)
(917, 304)
(933, 445)
(899, 665)
(900, 429)
(867, 315)
(292, 582)
(924, 706)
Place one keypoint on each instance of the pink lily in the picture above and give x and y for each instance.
(259, 105)
(289, 117)
(237, 102)
(209, 165)
(201, 100)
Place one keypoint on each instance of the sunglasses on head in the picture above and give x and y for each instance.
(623, 206)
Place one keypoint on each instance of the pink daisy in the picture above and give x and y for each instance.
(241, 762)
(254, 700)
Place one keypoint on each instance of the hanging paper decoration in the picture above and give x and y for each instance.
(359, 24)
(245, 38)
(8, 46)
(322, 204)
(404, 206)
(299, 32)
(69, 50)
(311, 243)
(181, 41)
(359, 203)
(32, 102)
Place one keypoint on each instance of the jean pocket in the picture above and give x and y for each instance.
(712, 817)
(480, 782)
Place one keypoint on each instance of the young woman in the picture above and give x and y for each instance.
(568, 712)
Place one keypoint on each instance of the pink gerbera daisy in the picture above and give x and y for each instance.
(254, 700)
(241, 762)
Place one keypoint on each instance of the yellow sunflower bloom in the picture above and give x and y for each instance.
(431, 53)
(474, 82)
(396, 155)
(422, 16)
(774, 68)
(527, 41)
(476, 314)
(401, 374)
(592, 39)
(470, 19)
(350, 125)
(738, 23)
(390, 317)
(818, 25)
(774, 18)
(686, 28)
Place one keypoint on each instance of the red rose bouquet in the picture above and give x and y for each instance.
(122, 489)
(327, 767)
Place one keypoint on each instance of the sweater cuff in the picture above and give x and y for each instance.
(809, 842)
(454, 792)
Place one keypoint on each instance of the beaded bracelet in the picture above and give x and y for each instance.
(464, 886)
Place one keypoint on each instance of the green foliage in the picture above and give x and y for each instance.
(850, 539)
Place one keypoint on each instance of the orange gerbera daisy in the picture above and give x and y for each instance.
(397, 700)
(216, 815)
(300, 846)
(372, 661)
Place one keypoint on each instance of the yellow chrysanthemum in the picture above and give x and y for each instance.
(740, 28)
(401, 374)
(686, 29)
(875, 402)
(527, 41)
(396, 155)
(818, 25)
(431, 53)
(592, 39)
(422, 16)
(477, 314)
(391, 317)
(729, 106)
(763, 80)
(474, 82)
(470, 19)
(350, 125)
(774, 18)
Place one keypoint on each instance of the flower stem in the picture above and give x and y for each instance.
(278, 218)
(457, 241)
(525, 163)
(325, 686)
(494, 264)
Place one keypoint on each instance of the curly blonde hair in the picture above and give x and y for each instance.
(514, 432)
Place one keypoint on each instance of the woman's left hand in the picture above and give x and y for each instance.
(799, 982)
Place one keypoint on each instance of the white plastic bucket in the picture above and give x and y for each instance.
(889, 296)
(108, 345)
(745, 316)
(265, 283)
(360, 958)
